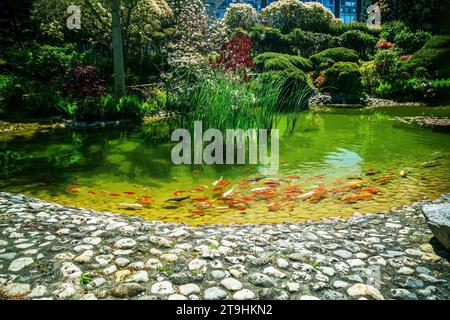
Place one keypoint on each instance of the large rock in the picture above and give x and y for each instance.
(438, 219)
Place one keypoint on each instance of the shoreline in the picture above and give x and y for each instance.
(49, 251)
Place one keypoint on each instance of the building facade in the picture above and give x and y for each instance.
(347, 10)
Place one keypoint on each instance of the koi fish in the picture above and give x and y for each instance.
(274, 207)
(255, 179)
(352, 199)
(146, 197)
(144, 202)
(197, 190)
(73, 190)
(372, 190)
(129, 192)
(177, 192)
(293, 177)
(74, 184)
(92, 192)
(197, 211)
(241, 208)
(306, 195)
(114, 195)
(228, 193)
(177, 199)
(355, 184)
(133, 206)
(220, 182)
(200, 199)
(258, 189)
(384, 180)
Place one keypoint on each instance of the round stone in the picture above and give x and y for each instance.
(214, 293)
(162, 288)
(244, 294)
(125, 243)
(231, 284)
(189, 289)
(19, 264)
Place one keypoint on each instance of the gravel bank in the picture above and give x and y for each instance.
(48, 251)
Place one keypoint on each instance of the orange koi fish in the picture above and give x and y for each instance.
(198, 211)
(73, 190)
(293, 177)
(352, 199)
(92, 192)
(177, 192)
(114, 195)
(274, 207)
(75, 184)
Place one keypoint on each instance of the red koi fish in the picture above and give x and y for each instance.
(200, 199)
(92, 192)
(220, 182)
(241, 208)
(197, 190)
(73, 190)
(129, 192)
(75, 184)
(293, 177)
(146, 197)
(114, 195)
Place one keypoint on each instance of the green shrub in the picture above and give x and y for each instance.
(340, 28)
(11, 90)
(328, 57)
(433, 56)
(391, 29)
(416, 89)
(388, 64)
(359, 41)
(369, 76)
(266, 39)
(308, 43)
(410, 42)
(44, 61)
(343, 77)
(271, 61)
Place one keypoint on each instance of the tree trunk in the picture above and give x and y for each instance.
(119, 72)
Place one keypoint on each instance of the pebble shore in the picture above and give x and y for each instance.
(49, 251)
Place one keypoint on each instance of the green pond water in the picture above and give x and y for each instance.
(350, 159)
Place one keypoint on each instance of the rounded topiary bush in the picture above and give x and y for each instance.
(241, 15)
(342, 77)
(328, 57)
(434, 57)
(359, 41)
(272, 61)
(267, 39)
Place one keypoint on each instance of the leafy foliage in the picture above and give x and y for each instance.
(359, 41)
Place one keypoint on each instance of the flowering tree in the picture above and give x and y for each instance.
(290, 14)
(241, 15)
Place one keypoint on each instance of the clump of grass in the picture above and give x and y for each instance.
(85, 279)
(224, 103)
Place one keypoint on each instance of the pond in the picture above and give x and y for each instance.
(335, 163)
